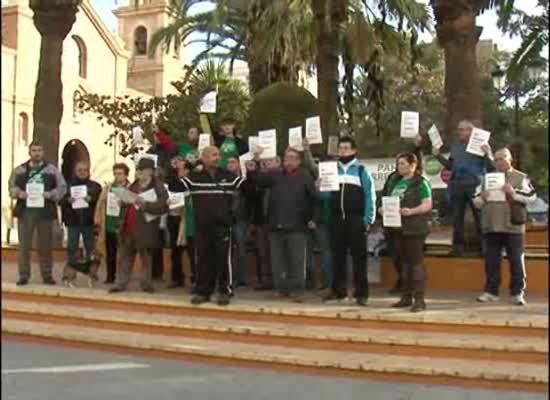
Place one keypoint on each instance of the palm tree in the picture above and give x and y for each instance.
(53, 19)
(458, 35)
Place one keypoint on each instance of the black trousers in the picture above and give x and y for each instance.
(158, 258)
(350, 234)
(214, 260)
(462, 197)
(111, 249)
(391, 236)
(413, 269)
(176, 252)
(514, 243)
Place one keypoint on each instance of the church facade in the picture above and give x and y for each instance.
(94, 61)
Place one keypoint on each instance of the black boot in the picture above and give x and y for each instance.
(405, 301)
(419, 303)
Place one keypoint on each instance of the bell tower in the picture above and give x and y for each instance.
(148, 72)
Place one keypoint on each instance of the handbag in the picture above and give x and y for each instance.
(518, 212)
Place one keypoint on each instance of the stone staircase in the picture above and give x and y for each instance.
(456, 342)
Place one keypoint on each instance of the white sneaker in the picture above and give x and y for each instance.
(518, 300)
(487, 297)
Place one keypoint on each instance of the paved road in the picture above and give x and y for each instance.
(42, 372)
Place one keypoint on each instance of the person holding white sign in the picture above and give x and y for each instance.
(228, 142)
(467, 172)
(353, 212)
(107, 219)
(413, 195)
(50, 186)
(79, 221)
(391, 234)
(503, 225)
(137, 233)
(164, 148)
(180, 224)
(189, 150)
(292, 211)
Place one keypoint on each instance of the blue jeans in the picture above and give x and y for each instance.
(73, 239)
(319, 238)
(240, 257)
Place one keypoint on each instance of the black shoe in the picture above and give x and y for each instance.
(298, 298)
(264, 287)
(332, 296)
(148, 289)
(116, 289)
(223, 299)
(49, 281)
(109, 281)
(175, 285)
(22, 282)
(362, 301)
(197, 299)
(419, 305)
(405, 301)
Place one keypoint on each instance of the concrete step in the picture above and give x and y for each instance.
(426, 369)
(384, 341)
(456, 315)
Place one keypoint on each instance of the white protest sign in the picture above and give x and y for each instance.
(494, 183)
(208, 103)
(478, 139)
(204, 142)
(253, 142)
(435, 137)
(295, 139)
(243, 160)
(410, 123)
(391, 211)
(328, 174)
(313, 130)
(113, 205)
(35, 195)
(332, 148)
(79, 193)
(268, 142)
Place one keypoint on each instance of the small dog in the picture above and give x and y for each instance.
(88, 268)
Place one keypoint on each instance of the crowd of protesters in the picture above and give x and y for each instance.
(279, 200)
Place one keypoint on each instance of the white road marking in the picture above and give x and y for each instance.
(75, 368)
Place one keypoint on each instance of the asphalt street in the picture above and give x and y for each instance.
(44, 372)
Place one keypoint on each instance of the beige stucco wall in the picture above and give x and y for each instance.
(107, 64)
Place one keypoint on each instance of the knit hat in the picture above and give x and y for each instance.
(145, 163)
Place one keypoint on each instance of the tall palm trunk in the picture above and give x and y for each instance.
(458, 36)
(329, 18)
(53, 21)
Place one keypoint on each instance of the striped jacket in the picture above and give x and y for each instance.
(213, 196)
(357, 194)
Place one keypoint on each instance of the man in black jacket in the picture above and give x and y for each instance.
(213, 190)
(78, 210)
(293, 209)
(33, 213)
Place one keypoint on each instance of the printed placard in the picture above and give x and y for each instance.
(410, 124)
(313, 130)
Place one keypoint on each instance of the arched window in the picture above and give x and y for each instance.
(82, 56)
(140, 41)
(23, 129)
